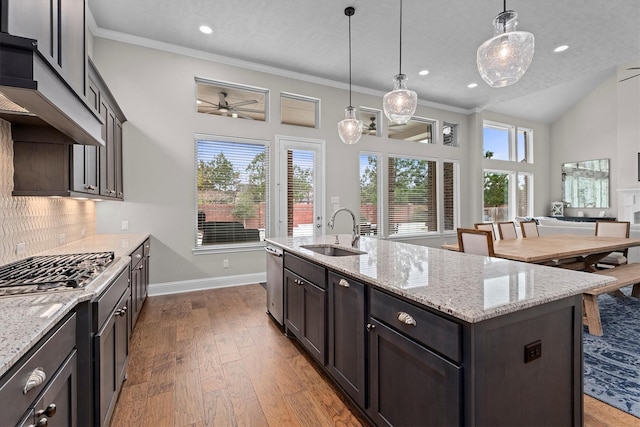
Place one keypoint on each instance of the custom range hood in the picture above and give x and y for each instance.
(40, 105)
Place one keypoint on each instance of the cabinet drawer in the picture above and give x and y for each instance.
(49, 356)
(106, 303)
(431, 330)
(305, 269)
(136, 256)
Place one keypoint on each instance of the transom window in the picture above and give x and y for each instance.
(417, 129)
(232, 100)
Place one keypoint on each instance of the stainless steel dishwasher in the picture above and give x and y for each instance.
(275, 283)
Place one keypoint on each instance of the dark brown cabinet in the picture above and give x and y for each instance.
(58, 402)
(59, 28)
(139, 279)
(111, 346)
(346, 343)
(52, 366)
(410, 384)
(306, 304)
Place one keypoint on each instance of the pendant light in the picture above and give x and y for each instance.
(504, 58)
(400, 104)
(350, 129)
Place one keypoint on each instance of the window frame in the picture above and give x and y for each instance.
(381, 224)
(437, 198)
(200, 249)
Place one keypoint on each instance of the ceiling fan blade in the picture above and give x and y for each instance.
(241, 103)
(204, 101)
(244, 116)
(634, 68)
(635, 75)
(247, 110)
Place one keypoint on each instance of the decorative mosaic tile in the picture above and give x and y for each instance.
(36, 221)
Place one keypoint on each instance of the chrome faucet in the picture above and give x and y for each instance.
(355, 237)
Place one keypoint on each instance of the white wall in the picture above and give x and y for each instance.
(156, 91)
(603, 125)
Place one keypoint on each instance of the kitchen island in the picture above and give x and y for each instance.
(423, 336)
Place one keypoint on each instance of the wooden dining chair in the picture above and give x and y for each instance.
(529, 228)
(488, 226)
(613, 229)
(507, 230)
(478, 242)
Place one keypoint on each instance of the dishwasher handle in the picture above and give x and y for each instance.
(273, 251)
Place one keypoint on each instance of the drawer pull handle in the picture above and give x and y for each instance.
(121, 311)
(36, 378)
(370, 327)
(344, 283)
(138, 256)
(406, 318)
(298, 282)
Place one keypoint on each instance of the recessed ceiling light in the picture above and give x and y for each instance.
(424, 72)
(561, 48)
(205, 29)
(472, 85)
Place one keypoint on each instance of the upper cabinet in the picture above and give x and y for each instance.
(58, 27)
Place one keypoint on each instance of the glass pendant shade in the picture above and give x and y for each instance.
(350, 129)
(504, 58)
(400, 104)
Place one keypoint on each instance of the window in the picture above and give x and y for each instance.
(449, 134)
(496, 141)
(370, 120)
(232, 191)
(369, 194)
(523, 147)
(496, 196)
(524, 195)
(299, 110)
(450, 178)
(417, 129)
(225, 99)
(508, 190)
(412, 196)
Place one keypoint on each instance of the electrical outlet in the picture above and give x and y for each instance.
(225, 263)
(62, 238)
(21, 248)
(125, 225)
(532, 351)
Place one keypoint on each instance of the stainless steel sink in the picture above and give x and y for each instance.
(331, 250)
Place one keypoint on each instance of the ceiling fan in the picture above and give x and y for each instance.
(370, 129)
(223, 107)
(635, 75)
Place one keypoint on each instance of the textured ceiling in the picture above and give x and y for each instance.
(311, 37)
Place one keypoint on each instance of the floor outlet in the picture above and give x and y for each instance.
(225, 263)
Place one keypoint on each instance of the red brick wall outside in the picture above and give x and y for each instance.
(303, 214)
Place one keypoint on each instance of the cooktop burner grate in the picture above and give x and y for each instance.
(52, 272)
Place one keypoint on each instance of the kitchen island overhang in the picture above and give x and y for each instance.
(520, 325)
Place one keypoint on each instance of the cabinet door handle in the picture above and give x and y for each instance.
(370, 327)
(406, 318)
(298, 282)
(138, 256)
(49, 412)
(344, 283)
(121, 311)
(36, 378)
(141, 266)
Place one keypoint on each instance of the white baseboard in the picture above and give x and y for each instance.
(200, 284)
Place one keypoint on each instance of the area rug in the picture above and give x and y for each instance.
(612, 361)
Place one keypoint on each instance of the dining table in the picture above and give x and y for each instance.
(572, 251)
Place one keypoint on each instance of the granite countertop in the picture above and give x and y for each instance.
(26, 319)
(469, 287)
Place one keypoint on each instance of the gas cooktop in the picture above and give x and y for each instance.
(49, 273)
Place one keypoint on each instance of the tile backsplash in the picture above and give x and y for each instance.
(41, 223)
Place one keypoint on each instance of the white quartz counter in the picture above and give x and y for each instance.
(26, 319)
(469, 287)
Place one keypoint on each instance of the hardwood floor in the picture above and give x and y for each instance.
(215, 358)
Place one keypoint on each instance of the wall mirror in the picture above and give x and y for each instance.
(586, 184)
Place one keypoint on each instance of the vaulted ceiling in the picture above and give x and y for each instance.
(311, 37)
